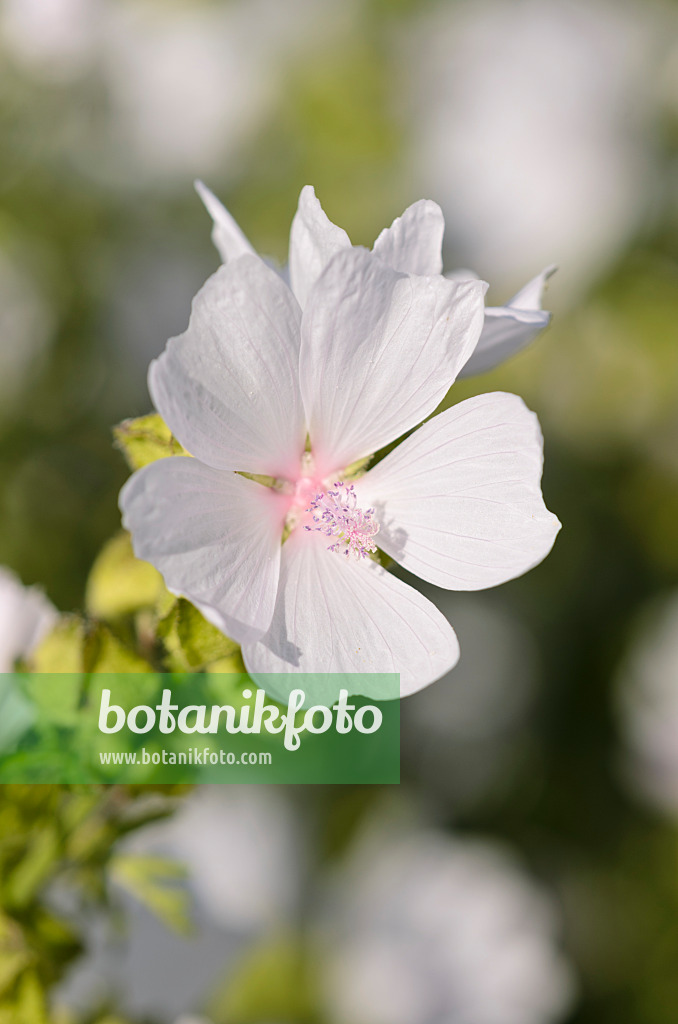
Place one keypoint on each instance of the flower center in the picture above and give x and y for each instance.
(336, 514)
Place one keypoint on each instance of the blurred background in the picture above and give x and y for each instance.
(526, 871)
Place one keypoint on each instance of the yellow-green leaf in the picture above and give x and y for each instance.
(192, 641)
(55, 695)
(34, 868)
(274, 981)
(62, 649)
(104, 652)
(145, 440)
(15, 956)
(153, 881)
(120, 583)
(31, 1005)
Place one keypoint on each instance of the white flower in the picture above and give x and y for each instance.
(244, 851)
(413, 245)
(52, 38)
(649, 706)
(186, 86)
(26, 616)
(189, 85)
(425, 928)
(533, 124)
(373, 353)
(242, 847)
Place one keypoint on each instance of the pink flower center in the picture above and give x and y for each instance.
(336, 514)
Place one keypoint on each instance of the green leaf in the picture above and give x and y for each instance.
(145, 440)
(105, 652)
(357, 468)
(16, 713)
(55, 697)
(15, 956)
(31, 1005)
(120, 583)
(225, 682)
(34, 868)
(153, 881)
(62, 649)
(60, 654)
(51, 933)
(272, 982)
(192, 642)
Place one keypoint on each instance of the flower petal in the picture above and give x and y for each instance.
(510, 328)
(379, 351)
(335, 614)
(214, 536)
(459, 502)
(314, 239)
(413, 243)
(462, 274)
(226, 235)
(26, 616)
(228, 386)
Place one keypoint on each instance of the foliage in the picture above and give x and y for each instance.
(146, 439)
(68, 836)
(63, 838)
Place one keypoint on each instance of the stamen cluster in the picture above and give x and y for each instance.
(337, 514)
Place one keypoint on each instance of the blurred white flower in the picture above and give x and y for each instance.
(412, 245)
(648, 701)
(244, 852)
(25, 328)
(183, 85)
(532, 125)
(26, 616)
(426, 929)
(244, 849)
(190, 84)
(458, 502)
(51, 38)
